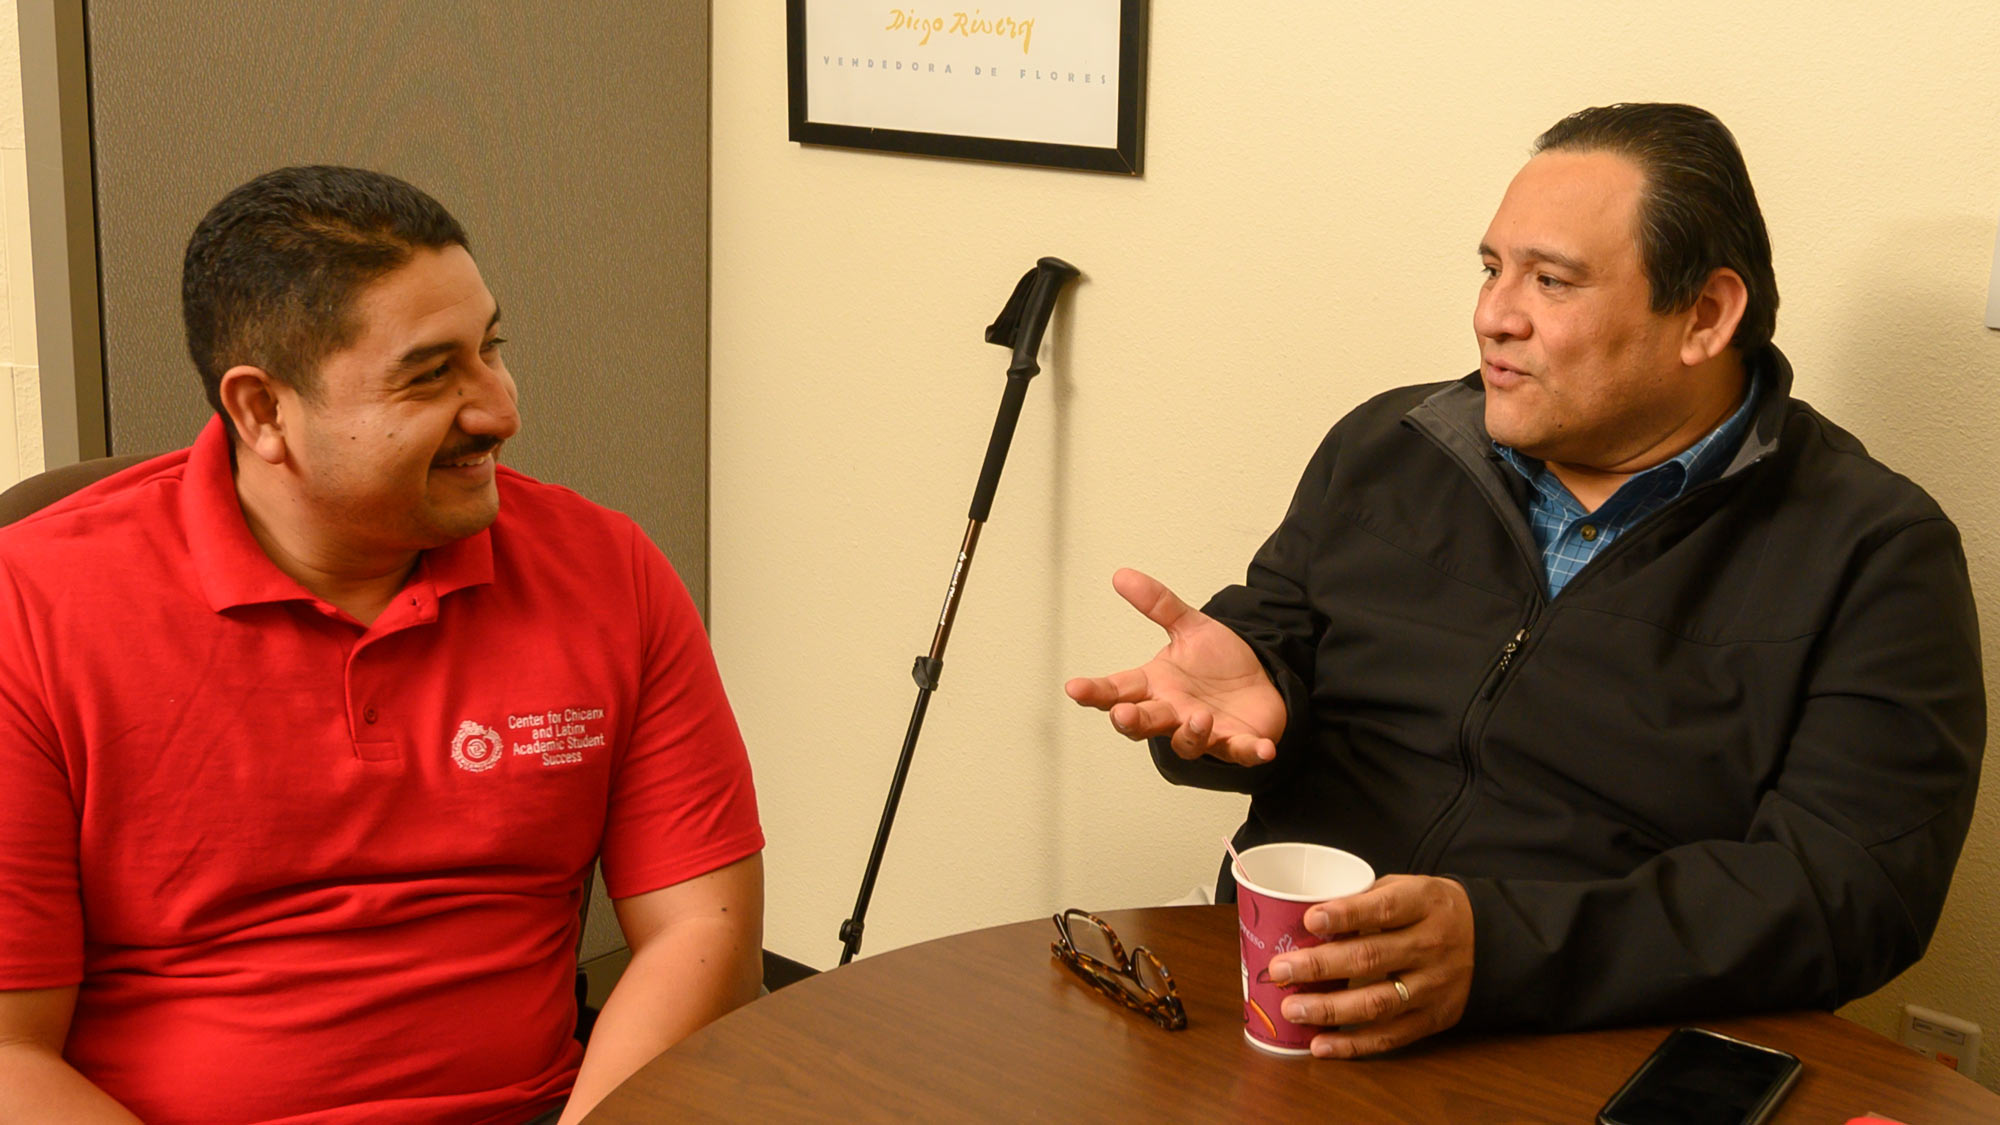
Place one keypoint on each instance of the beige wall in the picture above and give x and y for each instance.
(1317, 178)
(20, 400)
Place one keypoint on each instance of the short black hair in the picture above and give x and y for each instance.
(1699, 212)
(271, 271)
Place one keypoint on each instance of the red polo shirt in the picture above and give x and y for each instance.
(314, 871)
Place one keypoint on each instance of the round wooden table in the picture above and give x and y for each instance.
(987, 1026)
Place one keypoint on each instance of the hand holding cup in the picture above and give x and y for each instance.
(1412, 930)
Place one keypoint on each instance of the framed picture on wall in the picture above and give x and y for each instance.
(1059, 83)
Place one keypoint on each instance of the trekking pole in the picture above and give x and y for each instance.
(1019, 327)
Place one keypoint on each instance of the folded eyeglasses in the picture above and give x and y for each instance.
(1139, 981)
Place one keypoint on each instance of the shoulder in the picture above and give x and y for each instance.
(1391, 405)
(548, 531)
(531, 505)
(1829, 469)
(1379, 421)
(118, 539)
(100, 519)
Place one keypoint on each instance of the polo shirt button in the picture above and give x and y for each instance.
(1588, 531)
(368, 714)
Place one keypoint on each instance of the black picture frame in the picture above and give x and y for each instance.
(1127, 157)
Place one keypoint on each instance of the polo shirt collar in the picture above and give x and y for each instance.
(457, 565)
(234, 570)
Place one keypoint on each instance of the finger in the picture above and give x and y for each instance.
(1143, 719)
(1246, 750)
(1364, 1004)
(1413, 1024)
(1195, 735)
(1151, 597)
(1393, 902)
(1101, 692)
(1352, 958)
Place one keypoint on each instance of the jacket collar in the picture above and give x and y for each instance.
(1762, 440)
(234, 571)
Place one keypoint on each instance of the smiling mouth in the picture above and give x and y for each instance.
(466, 460)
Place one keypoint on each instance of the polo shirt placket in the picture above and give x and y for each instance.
(368, 683)
(235, 572)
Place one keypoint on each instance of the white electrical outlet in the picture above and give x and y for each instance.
(1948, 1039)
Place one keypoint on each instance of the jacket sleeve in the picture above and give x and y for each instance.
(1839, 881)
(1271, 611)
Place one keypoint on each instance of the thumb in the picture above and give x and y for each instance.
(1151, 597)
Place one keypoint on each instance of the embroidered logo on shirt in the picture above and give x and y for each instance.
(561, 734)
(476, 748)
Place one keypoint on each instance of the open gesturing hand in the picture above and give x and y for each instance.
(1205, 688)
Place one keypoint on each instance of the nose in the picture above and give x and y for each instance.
(491, 408)
(1498, 314)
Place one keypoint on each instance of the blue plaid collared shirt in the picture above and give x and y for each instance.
(1570, 537)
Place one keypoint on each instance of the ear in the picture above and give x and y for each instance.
(253, 401)
(1712, 320)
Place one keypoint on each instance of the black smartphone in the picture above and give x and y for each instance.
(1699, 1077)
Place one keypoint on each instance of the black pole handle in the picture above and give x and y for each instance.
(1025, 318)
(1020, 326)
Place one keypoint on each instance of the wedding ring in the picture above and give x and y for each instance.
(1402, 990)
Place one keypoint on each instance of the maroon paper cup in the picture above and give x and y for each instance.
(1275, 884)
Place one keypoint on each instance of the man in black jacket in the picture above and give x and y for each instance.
(1660, 698)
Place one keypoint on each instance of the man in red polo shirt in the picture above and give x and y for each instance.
(310, 733)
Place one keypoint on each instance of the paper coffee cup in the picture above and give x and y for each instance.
(1275, 885)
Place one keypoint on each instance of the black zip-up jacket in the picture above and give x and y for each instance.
(1729, 768)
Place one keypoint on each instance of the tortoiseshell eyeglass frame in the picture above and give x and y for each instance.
(1120, 981)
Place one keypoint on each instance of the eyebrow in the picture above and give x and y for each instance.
(424, 353)
(1540, 254)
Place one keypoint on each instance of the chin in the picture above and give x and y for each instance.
(448, 527)
(1503, 427)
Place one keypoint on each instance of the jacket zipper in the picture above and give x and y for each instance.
(1430, 847)
(1506, 660)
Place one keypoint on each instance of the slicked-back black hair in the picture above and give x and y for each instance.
(1698, 214)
